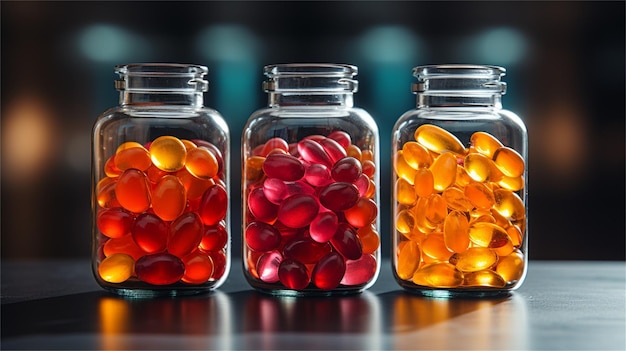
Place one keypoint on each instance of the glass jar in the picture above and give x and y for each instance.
(460, 186)
(310, 185)
(160, 167)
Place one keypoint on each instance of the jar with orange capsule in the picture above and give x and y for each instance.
(160, 185)
(459, 186)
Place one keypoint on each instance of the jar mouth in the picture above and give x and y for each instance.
(465, 78)
(310, 78)
(458, 71)
(161, 77)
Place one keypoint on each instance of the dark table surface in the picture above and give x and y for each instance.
(571, 305)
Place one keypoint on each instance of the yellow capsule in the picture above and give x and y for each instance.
(435, 247)
(456, 200)
(116, 268)
(482, 233)
(168, 153)
(509, 161)
(456, 231)
(485, 143)
(438, 139)
(479, 195)
(511, 267)
(438, 275)
(509, 205)
(405, 222)
(402, 168)
(189, 144)
(512, 183)
(444, 170)
(416, 155)
(409, 258)
(405, 194)
(419, 212)
(515, 234)
(436, 209)
(474, 259)
(478, 166)
(485, 278)
(462, 178)
(128, 145)
(424, 182)
(477, 216)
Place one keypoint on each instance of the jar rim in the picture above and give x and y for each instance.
(458, 70)
(311, 70)
(161, 69)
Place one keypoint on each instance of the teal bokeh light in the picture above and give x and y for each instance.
(105, 43)
(501, 46)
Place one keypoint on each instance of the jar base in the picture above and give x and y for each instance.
(147, 294)
(307, 293)
(459, 294)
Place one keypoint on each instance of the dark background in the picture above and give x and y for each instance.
(565, 72)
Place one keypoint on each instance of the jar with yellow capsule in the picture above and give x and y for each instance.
(460, 186)
(160, 185)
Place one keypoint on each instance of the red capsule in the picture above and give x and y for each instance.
(267, 266)
(305, 250)
(284, 167)
(215, 238)
(214, 205)
(133, 190)
(363, 213)
(347, 169)
(333, 149)
(160, 269)
(275, 190)
(198, 268)
(359, 271)
(341, 137)
(317, 175)
(168, 198)
(115, 222)
(346, 242)
(324, 226)
(328, 271)
(298, 211)
(260, 207)
(185, 234)
(261, 236)
(313, 152)
(293, 274)
(150, 233)
(219, 263)
(274, 143)
(339, 196)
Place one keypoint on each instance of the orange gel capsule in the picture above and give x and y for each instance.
(482, 233)
(509, 204)
(201, 163)
(438, 275)
(511, 267)
(370, 239)
(402, 168)
(435, 247)
(198, 268)
(405, 222)
(509, 161)
(168, 153)
(438, 139)
(444, 171)
(405, 193)
(194, 187)
(436, 209)
(363, 213)
(128, 145)
(462, 178)
(125, 245)
(484, 278)
(105, 193)
(479, 195)
(424, 182)
(133, 190)
(116, 268)
(354, 151)
(254, 168)
(478, 166)
(168, 198)
(512, 183)
(409, 258)
(110, 169)
(456, 200)
(133, 157)
(475, 259)
(485, 143)
(416, 155)
(456, 232)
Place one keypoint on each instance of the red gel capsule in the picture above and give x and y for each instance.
(272, 144)
(168, 198)
(115, 222)
(214, 205)
(150, 233)
(329, 271)
(219, 263)
(275, 190)
(261, 236)
(159, 269)
(133, 190)
(324, 226)
(346, 242)
(198, 268)
(339, 196)
(298, 211)
(333, 149)
(305, 250)
(215, 238)
(293, 274)
(260, 207)
(341, 137)
(267, 266)
(347, 169)
(317, 175)
(185, 234)
(284, 167)
(313, 152)
(359, 271)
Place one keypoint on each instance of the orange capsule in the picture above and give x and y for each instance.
(198, 268)
(354, 151)
(419, 213)
(201, 163)
(479, 195)
(424, 182)
(110, 169)
(405, 193)
(105, 193)
(409, 258)
(254, 168)
(168, 153)
(370, 239)
(515, 234)
(128, 145)
(456, 231)
(133, 190)
(416, 155)
(367, 155)
(135, 156)
(462, 178)
(188, 144)
(485, 143)
(443, 169)
(478, 166)
(435, 247)
(482, 233)
(511, 267)
(438, 139)
(125, 244)
(194, 187)
(475, 259)
(512, 183)
(509, 161)
(509, 204)
(436, 209)
(402, 168)
(456, 200)
(438, 275)
(485, 278)
(116, 268)
(363, 213)
(168, 198)
(405, 222)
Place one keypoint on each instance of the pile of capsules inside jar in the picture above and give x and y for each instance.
(311, 217)
(161, 213)
(459, 219)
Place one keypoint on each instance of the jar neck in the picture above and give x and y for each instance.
(459, 86)
(161, 84)
(312, 85)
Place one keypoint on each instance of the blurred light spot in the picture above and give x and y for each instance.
(228, 43)
(78, 152)
(29, 140)
(498, 46)
(110, 44)
(390, 44)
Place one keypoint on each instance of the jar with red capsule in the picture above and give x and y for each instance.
(160, 185)
(310, 185)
